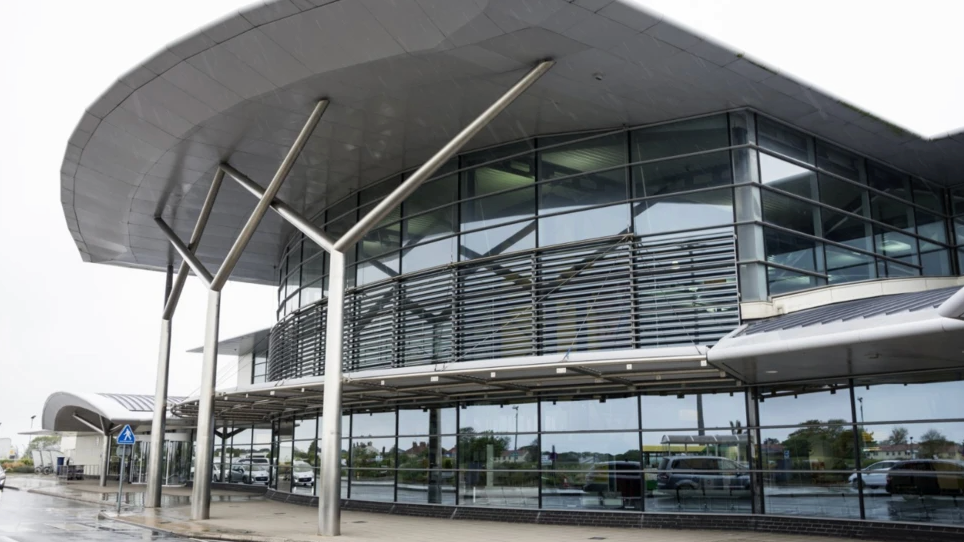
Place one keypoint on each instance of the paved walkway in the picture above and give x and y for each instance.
(244, 517)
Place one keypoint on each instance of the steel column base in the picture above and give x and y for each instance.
(204, 456)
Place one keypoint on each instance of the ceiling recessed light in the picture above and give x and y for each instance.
(560, 370)
(771, 372)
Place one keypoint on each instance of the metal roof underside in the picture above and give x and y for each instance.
(403, 77)
(504, 380)
(237, 346)
(853, 310)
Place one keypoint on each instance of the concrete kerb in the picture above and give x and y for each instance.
(62, 495)
(203, 535)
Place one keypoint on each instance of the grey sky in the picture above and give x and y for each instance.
(66, 325)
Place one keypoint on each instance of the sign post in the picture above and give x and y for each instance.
(125, 443)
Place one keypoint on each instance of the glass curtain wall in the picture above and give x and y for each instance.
(886, 449)
(812, 213)
(831, 216)
(535, 193)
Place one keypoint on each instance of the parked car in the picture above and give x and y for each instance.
(708, 474)
(254, 470)
(303, 474)
(926, 477)
(873, 476)
(3, 478)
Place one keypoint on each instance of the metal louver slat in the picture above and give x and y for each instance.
(614, 293)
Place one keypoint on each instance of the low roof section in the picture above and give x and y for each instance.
(63, 411)
(911, 325)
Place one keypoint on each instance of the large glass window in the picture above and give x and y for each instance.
(678, 138)
(682, 174)
(706, 209)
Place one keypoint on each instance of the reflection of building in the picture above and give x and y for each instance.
(658, 236)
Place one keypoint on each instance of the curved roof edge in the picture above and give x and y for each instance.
(129, 154)
(96, 408)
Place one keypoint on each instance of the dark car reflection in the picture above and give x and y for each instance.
(932, 477)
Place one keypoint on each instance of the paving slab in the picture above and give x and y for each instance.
(261, 520)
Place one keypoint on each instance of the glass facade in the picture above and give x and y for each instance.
(822, 449)
(575, 243)
(810, 213)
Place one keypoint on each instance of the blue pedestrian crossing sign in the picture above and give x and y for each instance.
(126, 436)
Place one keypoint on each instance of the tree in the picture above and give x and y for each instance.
(41, 443)
(898, 435)
(933, 443)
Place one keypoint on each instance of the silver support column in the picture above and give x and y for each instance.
(152, 498)
(329, 497)
(204, 457)
(201, 493)
(105, 455)
(753, 456)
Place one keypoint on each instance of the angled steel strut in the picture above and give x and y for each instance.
(201, 494)
(329, 510)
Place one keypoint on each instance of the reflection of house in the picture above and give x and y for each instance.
(949, 450)
(417, 449)
(889, 451)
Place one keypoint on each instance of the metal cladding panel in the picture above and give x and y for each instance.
(403, 77)
(609, 294)
(852, 310)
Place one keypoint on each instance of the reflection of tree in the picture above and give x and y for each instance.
(933, 444)
(898, 435)
(475, 446)
(827, 442)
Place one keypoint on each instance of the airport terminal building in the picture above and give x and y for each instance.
(579, 260)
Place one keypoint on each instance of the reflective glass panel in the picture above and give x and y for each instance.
(843, 195)
(889, 181)
(498, 209)
(848, 266)
(779, 138)
(894, 244)
(840, 162)
(931, 228)
(614, 413)
(790, 250)
(936, 263)
(373, 424)
(499, 418)
(927, 195)
(781, 281)
(788, 177)
(847, 230)
(500, 240)
(606, 152)
(679, 138)
(582, 225)
(693, 411)
(790, 213)
(682, 174)
(685, 211)
(428, 255)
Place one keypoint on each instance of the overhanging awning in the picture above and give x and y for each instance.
(877, 335)
(508, 379)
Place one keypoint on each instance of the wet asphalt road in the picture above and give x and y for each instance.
(28, 517)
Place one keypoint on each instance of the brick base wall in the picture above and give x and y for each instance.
(843, 528)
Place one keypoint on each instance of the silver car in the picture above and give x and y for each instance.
(3, 478)
(873, 476)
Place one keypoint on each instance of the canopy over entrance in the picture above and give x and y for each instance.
(64, 411)
(875, 335)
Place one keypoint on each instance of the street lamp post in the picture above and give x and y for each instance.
(516, 447)
(30, 440)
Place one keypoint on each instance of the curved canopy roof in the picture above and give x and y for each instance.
(403, 77)
(62, 409)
